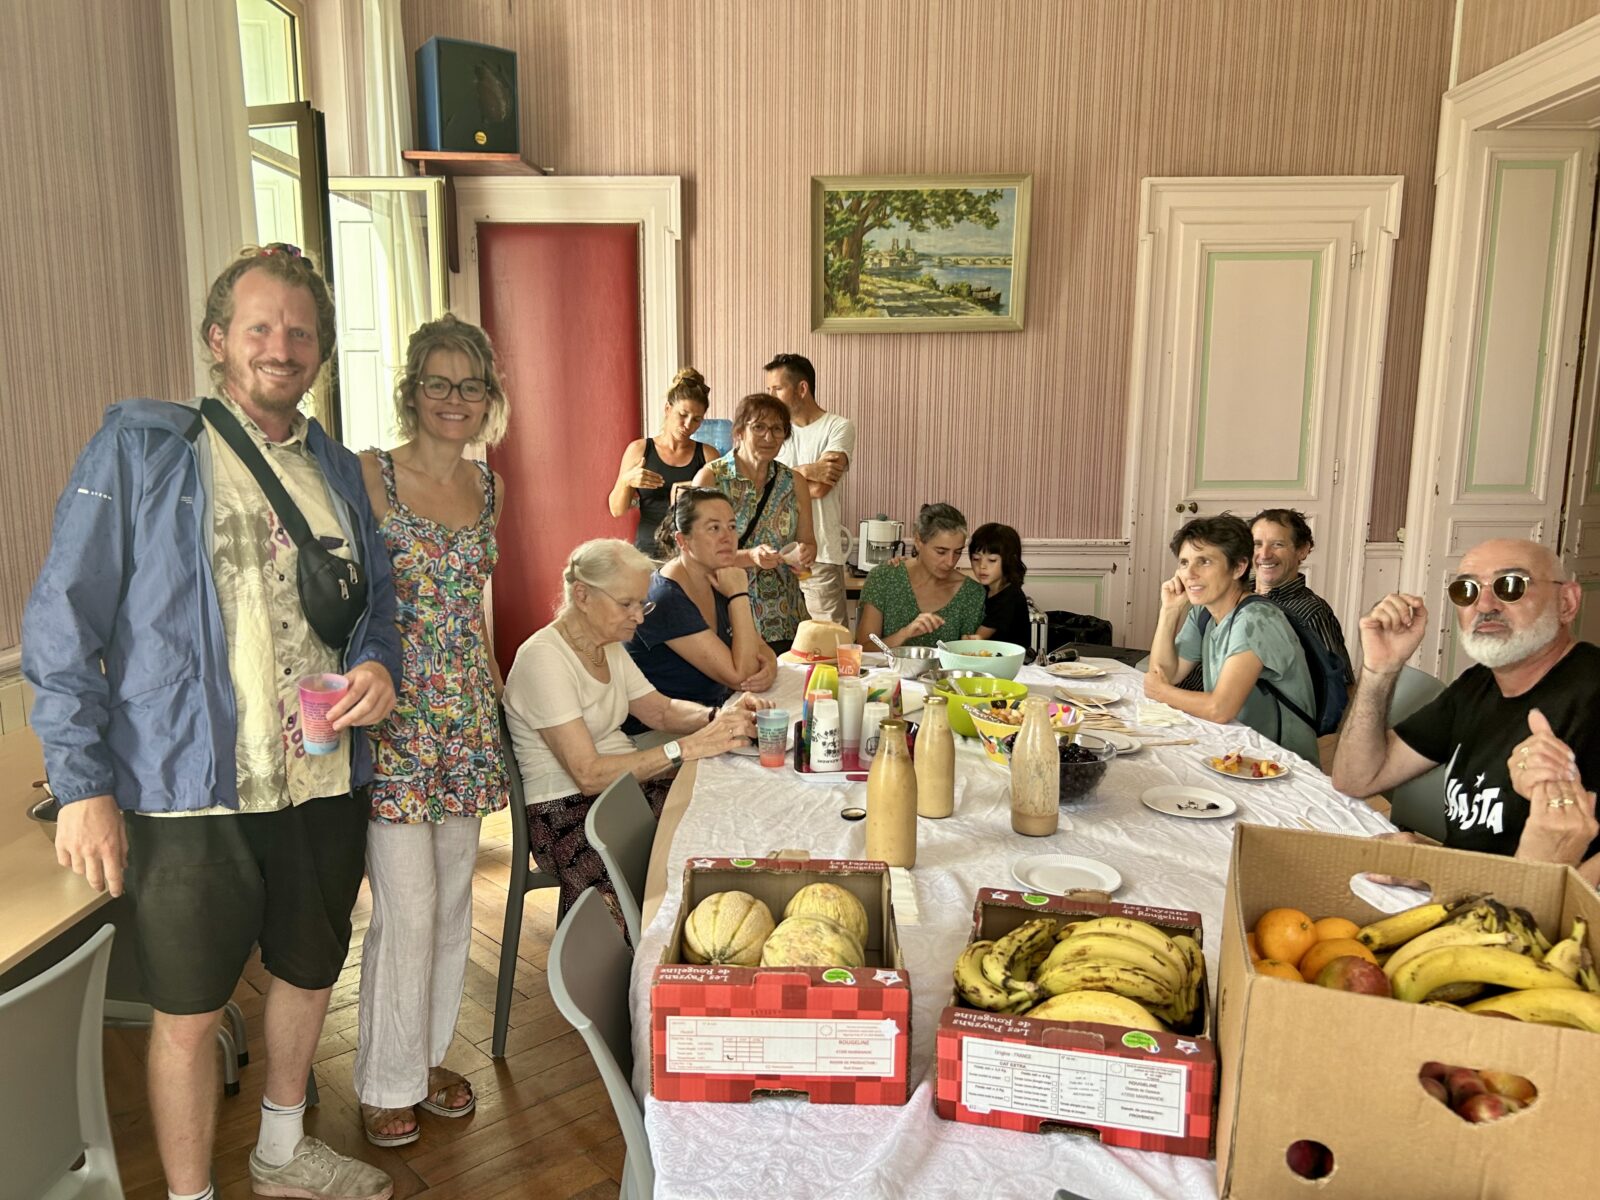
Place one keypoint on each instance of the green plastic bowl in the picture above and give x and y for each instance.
(1002, 659)
(959, 691)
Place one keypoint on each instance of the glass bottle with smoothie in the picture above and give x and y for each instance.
(892, 799)
(936, 760)
(1035, 773)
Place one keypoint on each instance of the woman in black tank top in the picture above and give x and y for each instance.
(652, 466)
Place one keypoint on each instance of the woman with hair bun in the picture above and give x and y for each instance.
(654, 469)
(924, 600)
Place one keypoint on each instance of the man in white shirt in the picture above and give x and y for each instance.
(819, 450)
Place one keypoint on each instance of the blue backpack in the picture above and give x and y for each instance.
(1329, 691)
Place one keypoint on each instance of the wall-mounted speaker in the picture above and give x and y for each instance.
(466, 97)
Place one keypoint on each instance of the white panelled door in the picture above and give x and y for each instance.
(1516, 319)
(1258, 350)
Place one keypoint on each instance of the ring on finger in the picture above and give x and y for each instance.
(1553, 805)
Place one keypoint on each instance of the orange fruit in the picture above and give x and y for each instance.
(1285, 934)
(1324, 953)
(1277, 969)
(1253, 945)
(1329, 928)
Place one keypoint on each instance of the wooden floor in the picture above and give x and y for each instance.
(543, 1126)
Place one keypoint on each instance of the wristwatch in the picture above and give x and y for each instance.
(673, 751)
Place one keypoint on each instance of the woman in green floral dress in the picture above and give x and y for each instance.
(769, 513)
(926, 599)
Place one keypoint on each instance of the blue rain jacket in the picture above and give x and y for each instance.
(122, 637)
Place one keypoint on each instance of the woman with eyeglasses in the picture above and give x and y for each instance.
(655, 469)
(700, 642)
(567, 695)
(1251, 658)
(769, 513)
(437, 760)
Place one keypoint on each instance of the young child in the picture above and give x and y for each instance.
(996, 554)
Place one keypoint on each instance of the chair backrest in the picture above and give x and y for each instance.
(621, 828)
(53, 1107)
(588, 969)
(1412, 690)
(521, 848)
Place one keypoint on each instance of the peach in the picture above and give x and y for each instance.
(1351, 974)
(1434, 1070)
(1464, 1083)
(1485, 1107)
(1513, 1087)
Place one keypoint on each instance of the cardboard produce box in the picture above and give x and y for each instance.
(835, 1035)
(1305, 1062)
(1129, 1087)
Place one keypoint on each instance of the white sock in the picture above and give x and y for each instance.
(281, 1131)
(208, 1194)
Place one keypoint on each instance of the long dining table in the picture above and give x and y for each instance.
(787, 1147)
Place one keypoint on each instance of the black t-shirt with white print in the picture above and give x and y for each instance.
(1473, 729)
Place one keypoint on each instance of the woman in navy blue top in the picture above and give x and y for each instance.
(699, 641)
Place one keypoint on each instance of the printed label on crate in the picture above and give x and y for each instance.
(748, 1045)
(1068, 1085)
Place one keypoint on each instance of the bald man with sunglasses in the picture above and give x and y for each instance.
(1517, 730)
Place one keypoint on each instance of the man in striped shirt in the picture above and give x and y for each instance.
(1283, 541)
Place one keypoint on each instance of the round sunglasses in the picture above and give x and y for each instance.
(1509, 587)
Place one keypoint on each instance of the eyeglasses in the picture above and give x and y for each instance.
(643, 607)
(1510, 586)
(437, 387)
(768, 431)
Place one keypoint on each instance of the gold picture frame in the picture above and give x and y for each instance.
(919, 253)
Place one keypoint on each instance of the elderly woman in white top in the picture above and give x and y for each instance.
(569, 691)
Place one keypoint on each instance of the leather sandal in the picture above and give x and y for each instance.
(434, 1103)
(374, 1120)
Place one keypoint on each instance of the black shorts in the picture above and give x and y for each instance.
(206, 889)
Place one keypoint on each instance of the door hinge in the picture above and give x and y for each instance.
(1336, 465)
(1355, 255)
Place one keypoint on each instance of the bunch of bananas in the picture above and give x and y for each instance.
(1451, 954)
(1110, 969)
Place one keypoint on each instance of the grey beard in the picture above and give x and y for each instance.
(1504, 650)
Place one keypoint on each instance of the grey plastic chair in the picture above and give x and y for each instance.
(1419, 803)
(621, 828)
(526, 876)
(589, 969)
(53, 1107)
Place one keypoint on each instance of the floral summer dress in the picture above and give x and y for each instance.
(775, 599)
(438, 753)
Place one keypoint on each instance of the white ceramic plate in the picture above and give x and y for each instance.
(1076, 670)
(1283, 769)
(1059, 873)
(1125, 743)
(1196, 804)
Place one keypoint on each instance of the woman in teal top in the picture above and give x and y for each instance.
(919, 602)
(1242, 646)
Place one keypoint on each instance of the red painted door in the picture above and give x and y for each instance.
(561, 303)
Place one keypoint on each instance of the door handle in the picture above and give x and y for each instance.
(1182, 507)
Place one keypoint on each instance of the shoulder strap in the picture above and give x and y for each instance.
(488, 487)
(761, 504)
(386, 470)
(1266, 685)
(233, 433)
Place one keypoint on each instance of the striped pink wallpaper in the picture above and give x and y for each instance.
(1495, 31)
(91, 277)
(746, 101)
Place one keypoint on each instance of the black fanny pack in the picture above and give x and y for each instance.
(333, 590)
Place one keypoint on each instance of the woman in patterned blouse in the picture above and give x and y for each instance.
(920, 602)
(438, 763)
(769, 514)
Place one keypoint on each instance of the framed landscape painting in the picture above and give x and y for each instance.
(918, 253)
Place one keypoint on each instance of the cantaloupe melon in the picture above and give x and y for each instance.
(804, 941)
(831, 901)
(727, 929)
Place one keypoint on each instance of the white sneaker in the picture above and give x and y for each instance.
(318, 1172)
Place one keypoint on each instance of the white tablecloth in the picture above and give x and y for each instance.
(789, 1148)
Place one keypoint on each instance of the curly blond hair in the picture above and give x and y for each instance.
(283, 262)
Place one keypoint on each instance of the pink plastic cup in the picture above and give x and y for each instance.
(319, 693)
